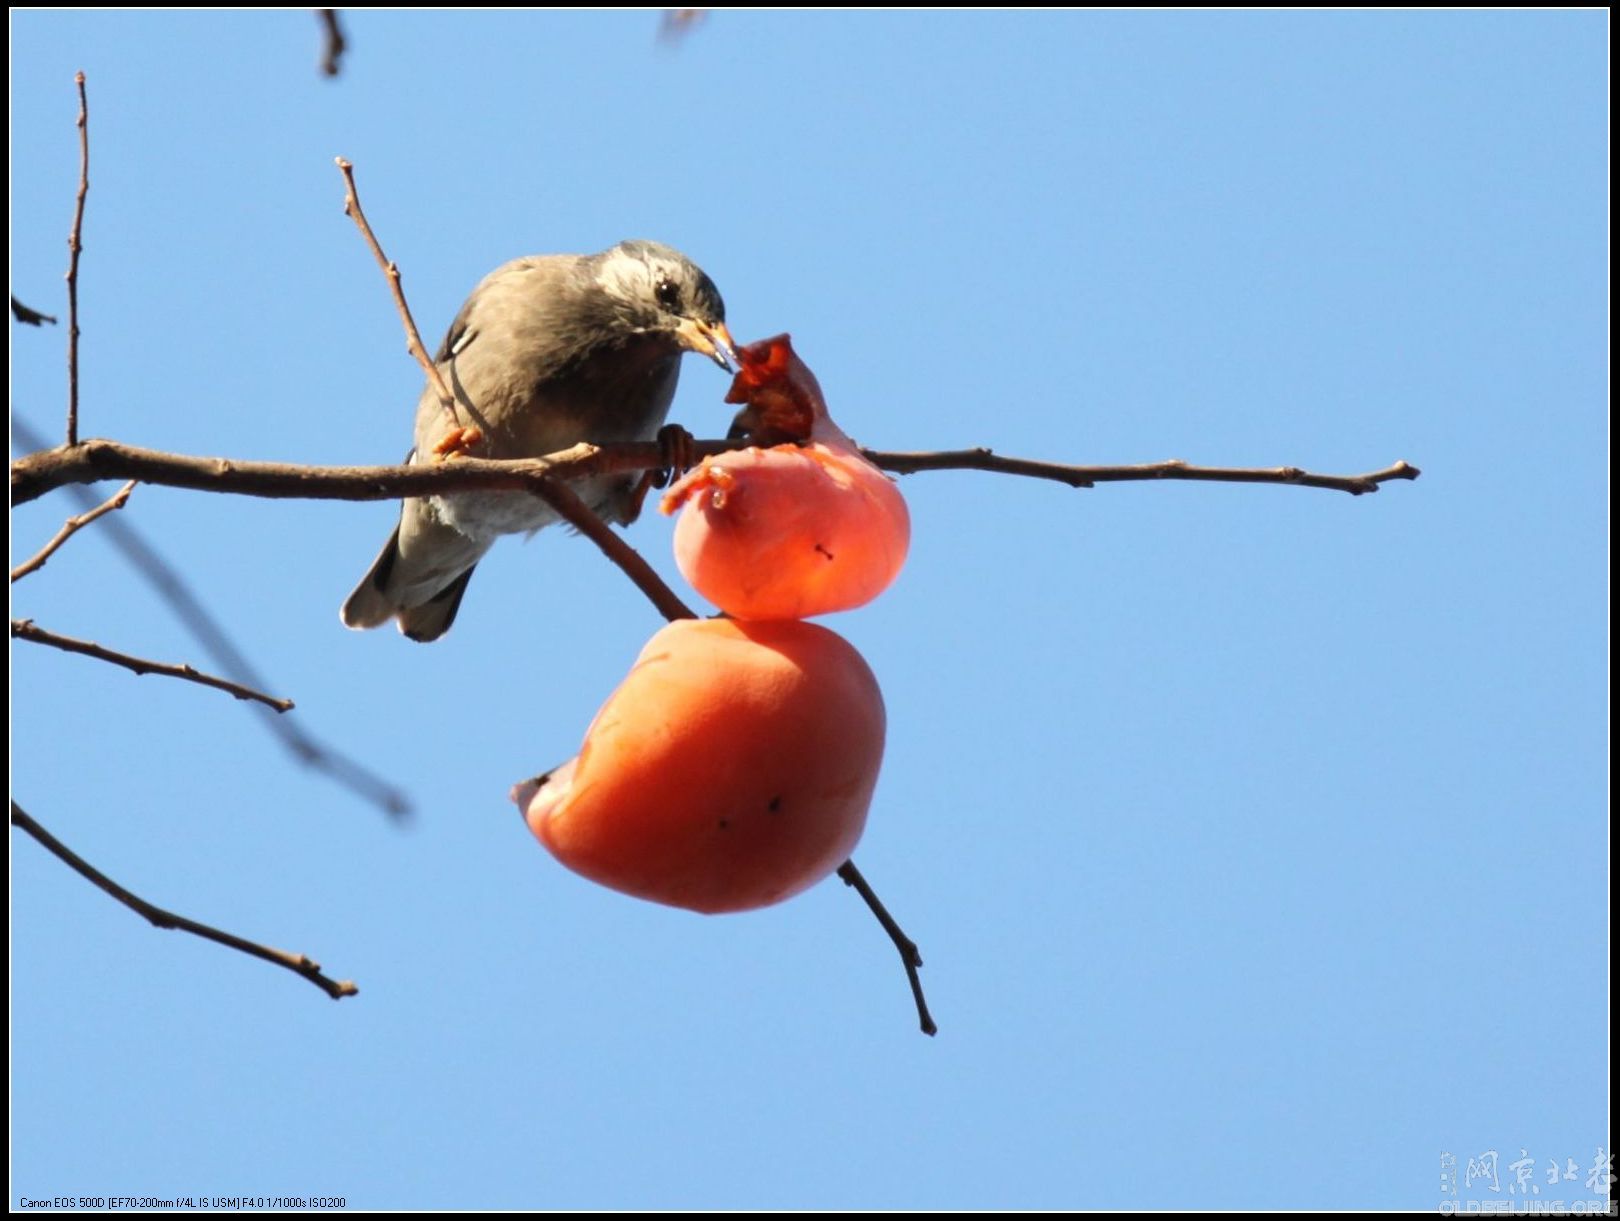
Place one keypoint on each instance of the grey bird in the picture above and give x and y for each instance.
(548, 351)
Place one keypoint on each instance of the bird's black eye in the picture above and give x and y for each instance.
(668, 293)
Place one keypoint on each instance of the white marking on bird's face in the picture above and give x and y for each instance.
(623, 276)
(633, 278)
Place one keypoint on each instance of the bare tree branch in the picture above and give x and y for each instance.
(413, 337)
(1174, 468)
(32, 317)
(75, 245)
(298, 964)
(25, 629)
(580, 515)
(71, 527)
(309, 750)
(35, 474)
(333, 44)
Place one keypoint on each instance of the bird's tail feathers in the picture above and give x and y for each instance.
(370, 604)
(420, 584)
(433, 618)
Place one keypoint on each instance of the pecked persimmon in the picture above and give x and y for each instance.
(800, 524)
(731, 769)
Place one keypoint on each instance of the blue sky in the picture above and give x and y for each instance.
(1255, 838)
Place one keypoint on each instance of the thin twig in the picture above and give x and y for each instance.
(74, 246)
(909, 954)
(25, 629)
(32, 317)
(206, 629)
(413, 337)
(35, 474)
(298, 964)
(1089, 476)
(578, 514)
(334, 44)
(71, 527)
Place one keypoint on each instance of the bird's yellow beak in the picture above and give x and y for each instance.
(711, 339)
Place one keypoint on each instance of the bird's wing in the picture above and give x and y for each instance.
(509, 338)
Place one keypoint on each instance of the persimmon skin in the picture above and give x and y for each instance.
(789, 532)
(732, 769)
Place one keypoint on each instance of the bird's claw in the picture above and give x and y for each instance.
(457, 442)
(675, 446)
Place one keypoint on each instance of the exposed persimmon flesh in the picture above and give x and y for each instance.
(804, 527)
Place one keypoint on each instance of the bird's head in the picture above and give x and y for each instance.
(655, 289)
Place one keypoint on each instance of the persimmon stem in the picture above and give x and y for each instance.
(909, 954)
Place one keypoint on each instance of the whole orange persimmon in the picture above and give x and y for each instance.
(731, 769)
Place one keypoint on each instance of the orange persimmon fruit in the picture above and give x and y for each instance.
(806, 526)
(731, 769)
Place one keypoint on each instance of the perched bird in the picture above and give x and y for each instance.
(548, 351)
